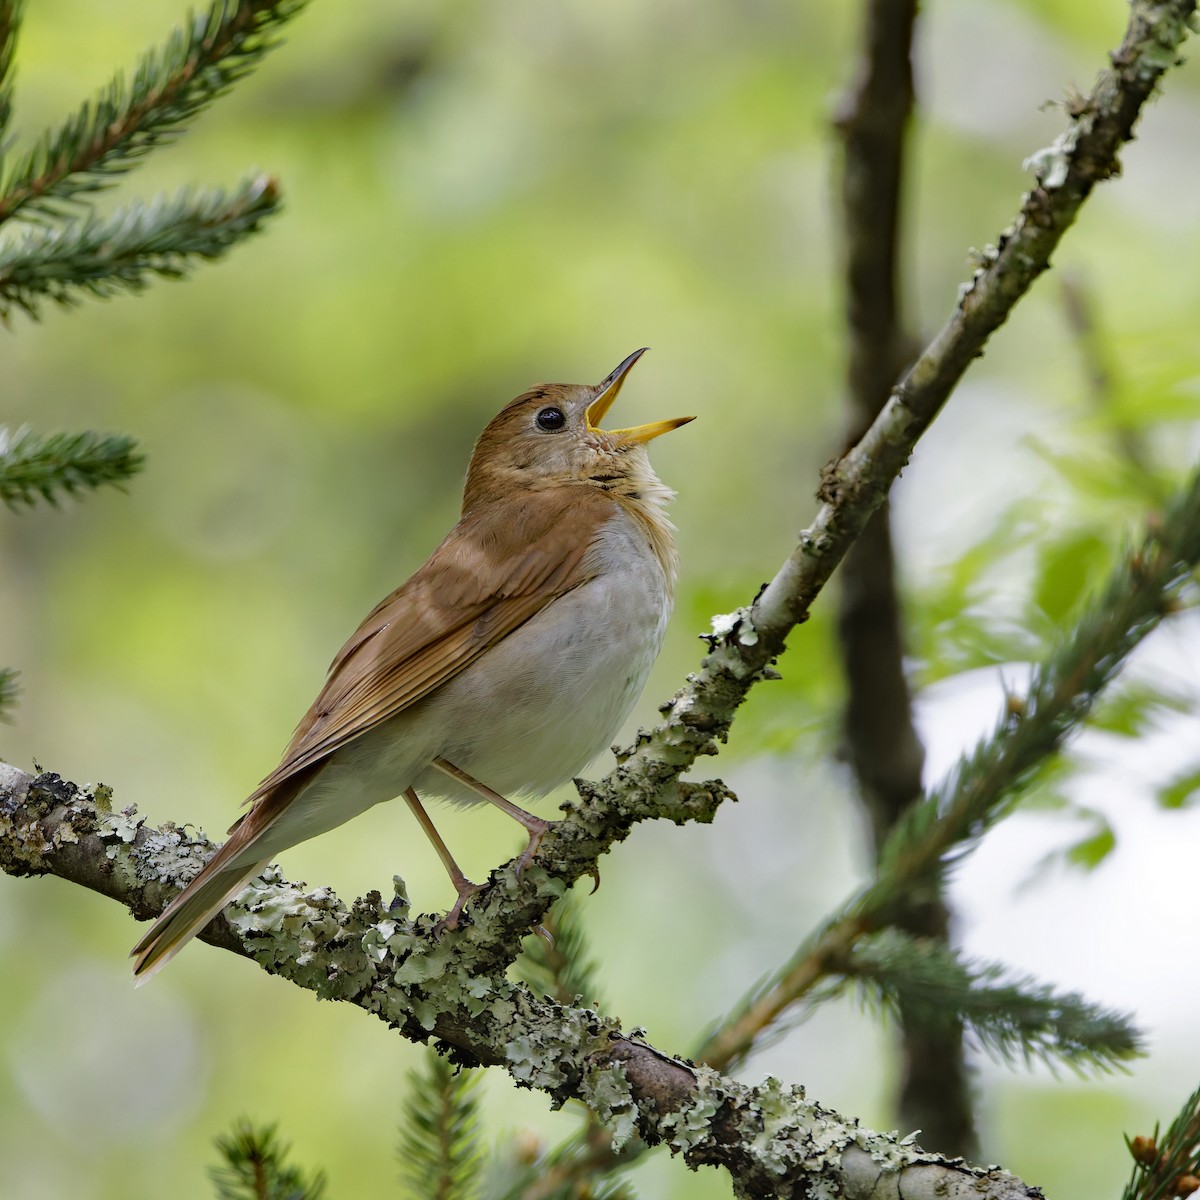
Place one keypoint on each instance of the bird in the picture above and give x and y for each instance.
(504, 665)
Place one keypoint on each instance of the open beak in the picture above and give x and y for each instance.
(609, 390)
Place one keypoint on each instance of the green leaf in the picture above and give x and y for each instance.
(1067, 570)
(1091, 851)
(1181, 792)
(1135, 708)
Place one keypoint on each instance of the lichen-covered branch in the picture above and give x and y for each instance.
(745, 644)
(772, 1139)
(948, 820)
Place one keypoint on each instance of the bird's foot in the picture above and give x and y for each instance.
(466, 889)
(537, 830)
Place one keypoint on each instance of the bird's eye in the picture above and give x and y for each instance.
(551, 419)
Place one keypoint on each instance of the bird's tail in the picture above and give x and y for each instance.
(221, 878)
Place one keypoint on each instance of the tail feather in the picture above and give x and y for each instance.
(221, 878)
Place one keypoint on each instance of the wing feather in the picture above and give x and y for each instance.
(498, 568)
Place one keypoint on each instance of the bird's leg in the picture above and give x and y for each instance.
(534, 826)
(462, 885)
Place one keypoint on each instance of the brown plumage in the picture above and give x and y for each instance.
(549, 595)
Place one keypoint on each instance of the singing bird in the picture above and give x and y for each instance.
(504, 665)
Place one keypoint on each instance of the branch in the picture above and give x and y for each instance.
(170, 86)
(256, 1168)
(439, 1133)
(38, 465)
(769, 1137)
(881, 742)
(1016, 1018)
(105, 256)
(1168, 1165)
(772, 1140)
(944, 825)
(645, 784)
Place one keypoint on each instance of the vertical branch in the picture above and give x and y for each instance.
(881, 743)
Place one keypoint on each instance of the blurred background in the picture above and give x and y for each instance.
(483, 197)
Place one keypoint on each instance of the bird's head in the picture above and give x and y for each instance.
(551, 435)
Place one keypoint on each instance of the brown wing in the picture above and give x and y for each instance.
(495, 570)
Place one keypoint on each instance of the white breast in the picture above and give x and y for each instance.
(533, 711)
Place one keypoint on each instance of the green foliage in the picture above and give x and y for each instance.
(1016, 1019)
(1134, 709)
(1089, 852)
(1064, 689)
(9, 689)
(1162, 1165)
(256, 1168)
(105, 256)
(10, 17)
(36, 465)
(1068, 568)
(574, 1170)
(169, 86)
(1180, 792)
(558, 963)
(438, 1151)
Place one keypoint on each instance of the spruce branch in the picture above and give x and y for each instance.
(10, 21)
(576, 1169)
(122, 252)
(1167, 1166)
(1016, 1019)
(559, 964)
(170, 85)
(439, 1138)
(947, 822)
(256, 1168)
(9, 690)
(34, 465)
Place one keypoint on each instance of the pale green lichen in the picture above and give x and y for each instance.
(738, 624)
(691, 1125)
(613, 1102)
(526, 1057)
(1052, 164)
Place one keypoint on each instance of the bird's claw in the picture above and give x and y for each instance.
(536, 833)
(466, 890)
